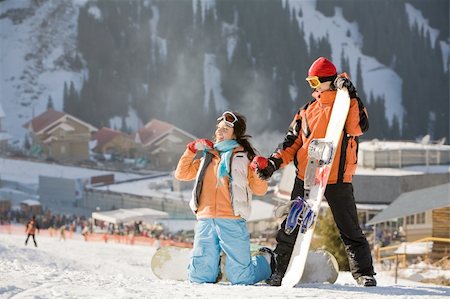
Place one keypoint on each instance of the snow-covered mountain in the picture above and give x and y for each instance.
(37, 43)
(119, 63)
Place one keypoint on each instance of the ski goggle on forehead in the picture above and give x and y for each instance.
(228, 118)
(313, 81)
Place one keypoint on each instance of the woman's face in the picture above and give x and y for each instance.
(223, 132)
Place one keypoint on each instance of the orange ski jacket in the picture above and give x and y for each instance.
(225, 199)
(31, 227)
(310, 123)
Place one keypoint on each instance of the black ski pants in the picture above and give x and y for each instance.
(342, 204)
(34, 239)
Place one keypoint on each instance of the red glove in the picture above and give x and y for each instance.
(200, 144)
(259, 162)
(264, 167)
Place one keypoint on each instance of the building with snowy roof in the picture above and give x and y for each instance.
(163, 143)
(59, 188)
(398, 154)
(154, 192)
(109, 141)
(59, 136)
(420, 214)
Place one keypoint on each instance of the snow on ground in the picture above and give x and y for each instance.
(28, 172)
(76, 269)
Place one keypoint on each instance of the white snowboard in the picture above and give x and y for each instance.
(297, 263)
(171, 263)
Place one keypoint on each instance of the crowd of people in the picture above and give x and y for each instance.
(64, 226)
(46, 220)
(141, 229)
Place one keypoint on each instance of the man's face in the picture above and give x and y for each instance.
(323, 86)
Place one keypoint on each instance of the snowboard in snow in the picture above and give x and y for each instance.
(172, 262)
(321, 153)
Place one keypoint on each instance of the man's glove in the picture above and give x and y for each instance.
(264, 167)
(200, 144)
(341, 82)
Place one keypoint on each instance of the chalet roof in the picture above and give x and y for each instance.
(155, 129)
(45, 119)
(104, 135)
(152, 130)
(49, 119)
(414, 202)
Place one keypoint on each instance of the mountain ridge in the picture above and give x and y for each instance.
(184, 61)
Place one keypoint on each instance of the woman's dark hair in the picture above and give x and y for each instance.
(240, 126)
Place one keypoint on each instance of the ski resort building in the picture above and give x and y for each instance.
(163, 143)
(109, 141)
(399, 154)
(154, 192)
(424, 213)
(59, 136)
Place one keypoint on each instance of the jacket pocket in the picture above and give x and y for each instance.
(351, 156)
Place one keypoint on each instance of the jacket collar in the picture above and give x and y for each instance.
(325, 97)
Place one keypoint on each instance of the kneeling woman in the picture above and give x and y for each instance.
(221, 200)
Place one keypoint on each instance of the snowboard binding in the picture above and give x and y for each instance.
(320, 153)
(299, 214)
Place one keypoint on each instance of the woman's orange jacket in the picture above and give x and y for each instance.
(215, 201)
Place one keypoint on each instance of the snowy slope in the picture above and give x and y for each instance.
(34, 41)
(76, 269)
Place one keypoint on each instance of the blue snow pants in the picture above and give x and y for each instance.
(214, 235)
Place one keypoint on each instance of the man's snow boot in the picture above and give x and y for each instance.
(275, 279)
(366, 281)
(281, 267)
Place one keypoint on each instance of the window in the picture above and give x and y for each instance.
(420, 218)
(410, 219)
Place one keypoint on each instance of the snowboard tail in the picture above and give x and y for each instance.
(171, 263)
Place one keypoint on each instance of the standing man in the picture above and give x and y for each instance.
(30, 229)
(310, 123)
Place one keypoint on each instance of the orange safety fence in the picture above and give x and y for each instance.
(132, 240)
(18, 229)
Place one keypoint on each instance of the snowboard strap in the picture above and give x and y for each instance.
(301, 214)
